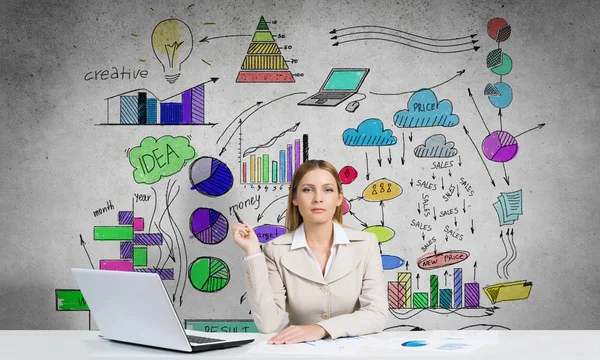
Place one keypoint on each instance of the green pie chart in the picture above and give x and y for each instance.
(505, 67)
(209, 274)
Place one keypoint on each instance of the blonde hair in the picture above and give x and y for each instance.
(293, 219)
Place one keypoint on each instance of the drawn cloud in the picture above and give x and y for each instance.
(424, 111)
(436, 147)
(370, 132)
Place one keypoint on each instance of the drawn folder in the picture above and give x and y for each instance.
(508, 291)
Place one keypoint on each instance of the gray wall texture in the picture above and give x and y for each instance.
(488, 189)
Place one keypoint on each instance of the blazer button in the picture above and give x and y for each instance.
(324, 288)
(325, 316)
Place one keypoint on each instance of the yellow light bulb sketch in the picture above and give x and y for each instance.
(172, 42)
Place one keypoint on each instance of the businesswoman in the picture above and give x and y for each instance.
(328, 277)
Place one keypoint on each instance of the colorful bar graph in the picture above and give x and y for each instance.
(282, 166)
(420, 300)
(396, 295)
(186, 108)
(265, 167)
(445, 298)
(404, 278)
(297, 152)
(116, 265)
(197, 105)
(433, 290)
(458, 287)
(129, 110)
(252, 169)
(472, 295)
(70, 300)
(171, 113)
(151, 111)
(274, 171)
(113, 233)
(126, 250)
(258, 173)
(148, 239)
(138, 224)
(140, 256)
(142, 114)
(290, 165)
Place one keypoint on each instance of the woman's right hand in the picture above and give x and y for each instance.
(245, 237)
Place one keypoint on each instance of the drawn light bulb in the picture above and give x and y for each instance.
(172, 42)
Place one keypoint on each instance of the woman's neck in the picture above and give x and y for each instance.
(319, 235)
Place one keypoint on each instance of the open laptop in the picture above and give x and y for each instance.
(340, 84)
(134, 307)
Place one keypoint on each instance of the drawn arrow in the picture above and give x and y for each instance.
(362, 223)
(442, 183)
(418, 277)
(334, 31)
(472, 227)
(403, 149)
(356, 198)
(410, 137)
(379, 158)
(407, 266)
(214, 80)
(367, 159)
(260, 216)
(464, 206)
(254, 111)
(433, 176)
(336, 37)
(537, 127)
(457, 190)
(243, 297)
(419, 208)
(281, 216)
(459, 161)
(500, 115)
(82, 243)
(450, 172)
(423, 235)
(446, 237)
(434, 217)
(486, 168)
(474, 270)
(506, 178)
(481, 116)
(474, 48)
(446, 278)
(237, 117)
(504, 258)
(389, 159)
(272, 141)
(206, 38)
(382, 214)
(455, 222)
(411, 182)
(458, 73)
(434, 249)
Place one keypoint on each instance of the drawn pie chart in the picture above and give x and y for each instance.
(498, 29)
(505, 67)
(209, 274)
(500, 146)
(208, 225)
(415, 343)
(504, 98)
(210, 176)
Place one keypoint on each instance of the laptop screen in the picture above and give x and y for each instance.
(349, 79)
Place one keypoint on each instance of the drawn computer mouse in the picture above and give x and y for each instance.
(352, 106)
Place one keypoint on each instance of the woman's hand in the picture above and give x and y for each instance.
(245, 237)
(298, 333)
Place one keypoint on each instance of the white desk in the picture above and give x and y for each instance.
(512, 345)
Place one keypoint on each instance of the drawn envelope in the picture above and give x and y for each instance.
(508, 291)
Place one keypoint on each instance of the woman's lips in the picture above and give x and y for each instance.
(318, 210)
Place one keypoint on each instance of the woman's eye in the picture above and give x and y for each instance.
(330, 190)
(306, 189)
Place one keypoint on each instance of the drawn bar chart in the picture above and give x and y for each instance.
(133, 245)
(401, 296)
(142, 107)
(276, 169)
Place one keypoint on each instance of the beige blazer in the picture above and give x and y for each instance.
(350, 300)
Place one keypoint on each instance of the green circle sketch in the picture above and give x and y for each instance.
(506, 66)
(209, 274)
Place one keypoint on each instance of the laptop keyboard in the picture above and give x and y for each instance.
(330, 96)
(201, 339)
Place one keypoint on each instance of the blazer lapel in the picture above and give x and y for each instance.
(347, 258)
(298, 262)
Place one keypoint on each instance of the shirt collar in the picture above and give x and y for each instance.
(299, 240)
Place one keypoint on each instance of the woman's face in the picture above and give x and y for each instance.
(317, 196)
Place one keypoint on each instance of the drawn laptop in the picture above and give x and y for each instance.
(134, 307)
(340, 84)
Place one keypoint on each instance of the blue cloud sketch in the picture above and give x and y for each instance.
(424, 111)
(370, 132)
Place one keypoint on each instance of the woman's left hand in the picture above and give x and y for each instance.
(298, 333)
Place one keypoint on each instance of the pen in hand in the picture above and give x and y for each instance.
(238, 217)
(244, 236)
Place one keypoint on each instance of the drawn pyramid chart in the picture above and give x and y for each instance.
(263, 62)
